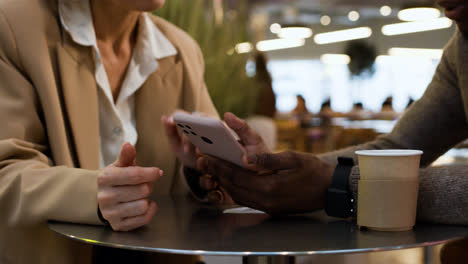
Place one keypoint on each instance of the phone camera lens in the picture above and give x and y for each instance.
(193, 133)
(186, 132)
(181, 126)
(187, 126)
(207, 140)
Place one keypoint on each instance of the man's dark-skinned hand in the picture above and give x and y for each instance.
(287, 182)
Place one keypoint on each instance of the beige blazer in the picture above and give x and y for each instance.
(49, 136)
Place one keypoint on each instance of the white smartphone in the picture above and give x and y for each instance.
(210, 136)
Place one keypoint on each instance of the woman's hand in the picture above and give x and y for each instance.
(123, 191)
(180, 144)
(187, 153)
(253, 145)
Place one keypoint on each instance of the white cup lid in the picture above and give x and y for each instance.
(389, 152)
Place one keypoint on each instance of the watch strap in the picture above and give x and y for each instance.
(339, 201)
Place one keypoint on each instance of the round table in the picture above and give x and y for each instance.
(183, 226)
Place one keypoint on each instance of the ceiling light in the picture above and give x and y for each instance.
(343, 35)
(353, 15)
(419, 26)
(295, 33)
(276, 44)
(418, 13)
(275, 28)
(325, 20)
(335, 59)
(385, 10)
(244, 47)
(412, 52)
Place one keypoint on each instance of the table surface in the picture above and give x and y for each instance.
(182, 226)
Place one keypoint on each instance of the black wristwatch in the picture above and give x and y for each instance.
(338, 199)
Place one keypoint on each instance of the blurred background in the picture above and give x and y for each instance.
(318, 75)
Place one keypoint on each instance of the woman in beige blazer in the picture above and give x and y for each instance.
(77, 80)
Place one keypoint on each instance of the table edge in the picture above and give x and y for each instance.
(246, 253)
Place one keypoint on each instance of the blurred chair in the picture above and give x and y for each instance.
(354, 136)
(266, 128)
(323, 138)
(387, 112)
(290, 135)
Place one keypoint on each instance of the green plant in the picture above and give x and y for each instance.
(217, 34)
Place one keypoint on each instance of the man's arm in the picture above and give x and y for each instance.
(442, 195)
(434, 124)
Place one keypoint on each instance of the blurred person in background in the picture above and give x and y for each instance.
(358, 112)
(262, 119)
(300, 111)
(292, 182)
(386, 111)
(266, 105)
(326, 113)
(78, 80)
(326, 110)
(410, 102)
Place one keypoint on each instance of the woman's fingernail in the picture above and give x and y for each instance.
(161, 173)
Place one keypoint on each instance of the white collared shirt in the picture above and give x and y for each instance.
(117, 122)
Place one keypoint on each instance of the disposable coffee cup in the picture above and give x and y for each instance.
(388, 189)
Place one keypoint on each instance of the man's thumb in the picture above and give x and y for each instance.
(246, 134)
(127, 156)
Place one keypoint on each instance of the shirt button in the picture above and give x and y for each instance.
(117, 131)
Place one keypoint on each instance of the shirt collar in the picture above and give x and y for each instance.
(76, 18)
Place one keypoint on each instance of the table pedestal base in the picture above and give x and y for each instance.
(268, 260)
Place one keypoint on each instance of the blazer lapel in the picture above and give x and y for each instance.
(160, 95)
(81, 101)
